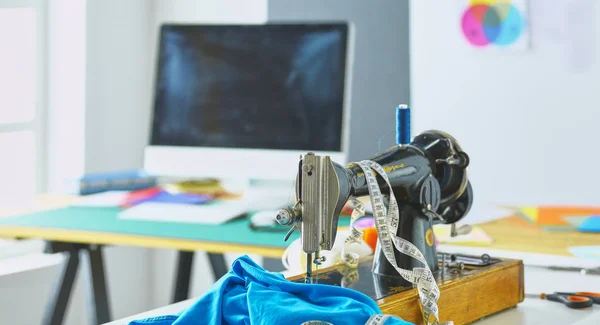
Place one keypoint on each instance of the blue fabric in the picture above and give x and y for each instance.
(250, 295)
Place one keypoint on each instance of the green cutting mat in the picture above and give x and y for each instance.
(106, 220)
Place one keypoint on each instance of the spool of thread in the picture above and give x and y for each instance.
(402, 124)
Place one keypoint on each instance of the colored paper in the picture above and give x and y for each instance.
(158, 195)
(179, 198)
(519, 221)
(135, 197)
(497, 23)
(555, 216)
(590, 225)
(585, 251)
(477, 236)
(103, 199)
(575, 222)
(530, 212)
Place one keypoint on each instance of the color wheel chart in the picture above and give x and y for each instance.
(496, 23)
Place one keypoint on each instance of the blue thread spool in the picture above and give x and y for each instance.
(402, 124)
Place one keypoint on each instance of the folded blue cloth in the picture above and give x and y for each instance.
(250, 295)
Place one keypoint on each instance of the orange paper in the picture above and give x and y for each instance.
(549, 215)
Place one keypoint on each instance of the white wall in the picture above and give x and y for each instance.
(98, 64)
(527, 120)
(99, 87)
(118, 65)
(65, 130)
(194, 11)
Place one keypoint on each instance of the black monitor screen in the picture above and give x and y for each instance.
(262, 86)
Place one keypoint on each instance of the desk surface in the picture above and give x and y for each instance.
(515, 234)
(72, 225)
(529, 312)
(103, 226)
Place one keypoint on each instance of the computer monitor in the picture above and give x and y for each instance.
(245, 101)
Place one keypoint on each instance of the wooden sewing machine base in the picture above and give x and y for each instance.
(466, 296)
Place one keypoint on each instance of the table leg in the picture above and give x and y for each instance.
(61, 293)
(59, 302)
(273, 264)
(219, 267)
(99, 304)
(185, 260)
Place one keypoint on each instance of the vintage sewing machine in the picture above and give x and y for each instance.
(429, 181)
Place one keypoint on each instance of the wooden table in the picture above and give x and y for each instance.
(516, 234)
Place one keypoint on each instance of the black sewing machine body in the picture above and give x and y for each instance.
(429, 181)
(428, 191)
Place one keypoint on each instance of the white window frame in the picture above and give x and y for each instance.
(10, 249)
(37, 125)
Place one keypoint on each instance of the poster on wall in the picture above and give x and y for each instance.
(493, 24)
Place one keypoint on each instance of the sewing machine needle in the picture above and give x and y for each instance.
(308, 268)
(317, 262)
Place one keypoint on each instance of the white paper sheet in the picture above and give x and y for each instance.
(570, 24)
(215, 213)
(548, 22)
(586, 252)
(581, 34)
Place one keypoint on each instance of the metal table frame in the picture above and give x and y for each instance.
(97, 291)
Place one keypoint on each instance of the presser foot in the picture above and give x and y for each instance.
(318, 260)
